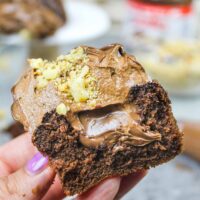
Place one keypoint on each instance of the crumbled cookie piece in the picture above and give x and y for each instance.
(70, 74)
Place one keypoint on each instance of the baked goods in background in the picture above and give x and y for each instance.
(15, 129)
(174, 63)
(39, 18)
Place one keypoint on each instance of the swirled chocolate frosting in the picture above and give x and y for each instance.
(91, 87)
(40, 17)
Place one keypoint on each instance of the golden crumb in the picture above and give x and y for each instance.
(36, 63)
(77, 85)
(50, 73)
(62, 109)
(41, 82)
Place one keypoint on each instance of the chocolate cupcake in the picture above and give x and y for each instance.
(96, 114)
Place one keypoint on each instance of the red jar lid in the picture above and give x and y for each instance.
(162, 6)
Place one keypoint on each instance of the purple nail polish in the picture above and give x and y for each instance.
(37, 164)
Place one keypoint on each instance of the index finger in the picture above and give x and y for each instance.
(14, 154)
(128, 182)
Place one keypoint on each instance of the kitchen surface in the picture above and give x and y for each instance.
(172, 57)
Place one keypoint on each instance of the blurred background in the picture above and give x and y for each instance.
(164, 35)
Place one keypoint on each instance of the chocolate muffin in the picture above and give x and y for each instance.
(40, 17)
(96, 114)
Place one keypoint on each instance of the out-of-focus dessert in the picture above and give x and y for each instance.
(15, 129)
(39, 18)
(96, 114)
(176, 64)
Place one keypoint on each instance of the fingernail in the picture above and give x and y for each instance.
(37, 164)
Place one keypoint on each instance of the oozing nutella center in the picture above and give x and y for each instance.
(116, 122)
(100, 121)
(109, 122)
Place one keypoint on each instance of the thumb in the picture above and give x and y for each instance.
(30, 182)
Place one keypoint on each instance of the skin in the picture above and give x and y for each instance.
(16, 183)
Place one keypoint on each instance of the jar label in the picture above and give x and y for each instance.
(159, 21)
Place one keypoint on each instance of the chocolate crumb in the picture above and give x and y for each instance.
(36, 190)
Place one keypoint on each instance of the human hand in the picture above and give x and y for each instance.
(34, 180)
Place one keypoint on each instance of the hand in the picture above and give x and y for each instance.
(34, 180)
(24, 178)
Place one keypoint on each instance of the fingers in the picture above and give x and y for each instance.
(106, 190)
(128, 182)
(15, 154)
(55, 191)
(30, 182)
(113, 188)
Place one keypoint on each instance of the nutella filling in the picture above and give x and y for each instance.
(114, 123)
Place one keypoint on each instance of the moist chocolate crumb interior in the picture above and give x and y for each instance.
(80, 167)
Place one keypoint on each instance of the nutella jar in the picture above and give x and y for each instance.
(161, 34)
(159, 19)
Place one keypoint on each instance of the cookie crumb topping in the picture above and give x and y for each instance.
(62, 109)
(70, 74)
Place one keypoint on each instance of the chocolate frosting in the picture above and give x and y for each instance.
(110, 119)
(40, 17)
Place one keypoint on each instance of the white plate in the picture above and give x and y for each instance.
(85, 21)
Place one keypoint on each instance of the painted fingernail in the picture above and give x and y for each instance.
(37, 164)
